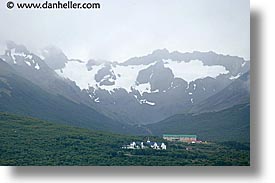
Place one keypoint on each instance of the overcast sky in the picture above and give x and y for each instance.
(125, 28)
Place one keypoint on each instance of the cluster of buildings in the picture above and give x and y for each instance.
(145, 145)
(162, 146)
(181, 138)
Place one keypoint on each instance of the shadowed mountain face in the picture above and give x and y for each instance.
(238, 92)
(141, 90)
(20, 96)
(33, 68)
(54, 57)
(229, 124)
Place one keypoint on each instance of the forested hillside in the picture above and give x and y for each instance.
(29, 141)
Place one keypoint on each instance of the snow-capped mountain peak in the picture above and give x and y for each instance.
(112, 76)
(157, 85)
(19, 55)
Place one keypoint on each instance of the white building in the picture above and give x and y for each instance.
(163, 146)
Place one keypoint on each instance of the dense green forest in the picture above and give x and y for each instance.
(29, 141)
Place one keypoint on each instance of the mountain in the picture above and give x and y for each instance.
(157, 85)
(141, 90)
(233, 64)
(229, 124)
(20, 96)
(54, 57)
(35, 69)
(28, 141)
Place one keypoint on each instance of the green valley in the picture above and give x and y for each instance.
(29, 141)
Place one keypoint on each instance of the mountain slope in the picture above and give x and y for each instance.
(37, 70)
(18, 95)
(228, 124)
(238, 92)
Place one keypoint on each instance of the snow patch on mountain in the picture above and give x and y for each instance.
(126, 78)
(113, 76)
(27, 58)
(14, 54)
(144, 101)
(28, 63)
(235, 77)
(146, 87)
(77, 71)
(97, 100)
(195, 69)
(37, 67)
(84, 78)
